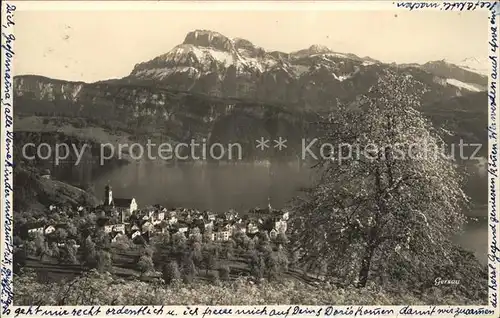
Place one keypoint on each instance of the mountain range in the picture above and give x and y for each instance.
(211, 85)
(315, 77)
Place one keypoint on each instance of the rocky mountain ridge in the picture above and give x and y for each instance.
(209, 62)
(211, 86)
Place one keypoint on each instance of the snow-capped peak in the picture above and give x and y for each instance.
(206, 38)
(208, 52)
(472, 64)
(317, 48)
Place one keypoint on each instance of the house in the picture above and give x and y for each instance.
(182, 227)
(252, 228)
(230, 215)
(280, 226)
(49, 229)
(108, 228)
(239, 228)
(35, 230)
(120, 228)
(150, 214)
(209, 216)
(146, 226)
(261, 212)
(46, 174)
(172, 220)
(171, 213)
(208, 224)
(285, 216)
(159, 215)
(220, 218)
(220, 236)
(161, 227)
(134, 228)
(115, 236)
(226, 226)
(135, 234)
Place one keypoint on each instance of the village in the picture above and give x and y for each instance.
(121, 217)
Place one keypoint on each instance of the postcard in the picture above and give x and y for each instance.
(241, 158)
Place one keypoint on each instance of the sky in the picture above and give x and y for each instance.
(88, 42)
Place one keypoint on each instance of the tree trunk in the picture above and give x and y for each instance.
(365, 266)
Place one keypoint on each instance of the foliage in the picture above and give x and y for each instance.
(145, 264)
(213, 277)
(41, 246)
(67, 253)
(94, 288)
(89, 253)
(104, 261)
(395, 199)
(224, 272)
(171, 272)
(210, 257)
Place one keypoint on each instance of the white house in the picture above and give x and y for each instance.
(135, 234)
(172, 220)
(49, 229)
(116, 236)
(280, 226)
(159, 216)
(108, 228)
(220, 236)
(239, 227)
(146, 227)
(119, 228)
(252, 228)
(209, 224)
(36, 230)
(285, 215)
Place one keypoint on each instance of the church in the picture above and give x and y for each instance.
(124, 207)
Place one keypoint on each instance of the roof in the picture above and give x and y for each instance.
(161, 225)
(123, 203)
(35, 225)
(114, 234)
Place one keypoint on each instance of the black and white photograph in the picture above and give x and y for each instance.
(249, 154)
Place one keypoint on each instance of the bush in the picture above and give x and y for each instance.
(224, 272)
(213, 277)
(171, 272)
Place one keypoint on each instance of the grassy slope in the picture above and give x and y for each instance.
(103, 289)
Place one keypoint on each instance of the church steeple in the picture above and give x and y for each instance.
(108, 195)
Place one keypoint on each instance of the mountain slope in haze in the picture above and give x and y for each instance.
(127, 113)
